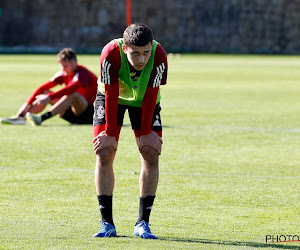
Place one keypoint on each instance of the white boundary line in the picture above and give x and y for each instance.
(175, 173)
(289, 130)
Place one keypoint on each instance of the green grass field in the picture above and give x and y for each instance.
(229, 170)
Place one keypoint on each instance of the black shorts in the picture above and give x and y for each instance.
(85, 118)
(135, 114)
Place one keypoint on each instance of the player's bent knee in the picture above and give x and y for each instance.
(149, 154)
(106, 152)
(105, 155)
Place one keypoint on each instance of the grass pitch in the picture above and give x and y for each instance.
(229, 170)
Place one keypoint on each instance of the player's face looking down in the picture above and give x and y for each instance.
(69, 67)
(138, 56)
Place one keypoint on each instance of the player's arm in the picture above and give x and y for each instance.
(109, 76)
(37, 92)
(110, 66)
(107, 138)
(149, 137)
(69, 89)
(158, 77)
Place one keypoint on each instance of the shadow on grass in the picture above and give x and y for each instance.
(231, 243)
(70, 124)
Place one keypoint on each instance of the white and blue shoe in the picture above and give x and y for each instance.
(16, 120)
(106, 230)
(142, 229)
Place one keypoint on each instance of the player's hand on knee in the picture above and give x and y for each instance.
(152, 140)
(103, 140)
(41, 99)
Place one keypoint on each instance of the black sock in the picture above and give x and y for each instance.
(145, 208)
(105, 205)
(46, 116)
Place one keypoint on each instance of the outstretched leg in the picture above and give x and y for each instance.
(76, 101)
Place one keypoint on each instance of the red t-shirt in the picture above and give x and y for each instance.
(111, 54)
(83, 81)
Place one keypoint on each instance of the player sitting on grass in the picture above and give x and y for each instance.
(132, 70)
(74, 102)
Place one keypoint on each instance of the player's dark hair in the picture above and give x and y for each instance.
(66, 54)
(137, 34)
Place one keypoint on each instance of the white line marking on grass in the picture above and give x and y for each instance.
(289, 130)
(170, 173)
(232, 175)
(195, 174)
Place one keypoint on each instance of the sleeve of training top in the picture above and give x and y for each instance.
(69, 89)
(110, 64)
(148, 106)
(55, 80)
(158, 77)
(160, 68)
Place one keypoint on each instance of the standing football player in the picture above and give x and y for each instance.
(132, 70)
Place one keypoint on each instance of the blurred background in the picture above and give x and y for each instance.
(205, 26)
